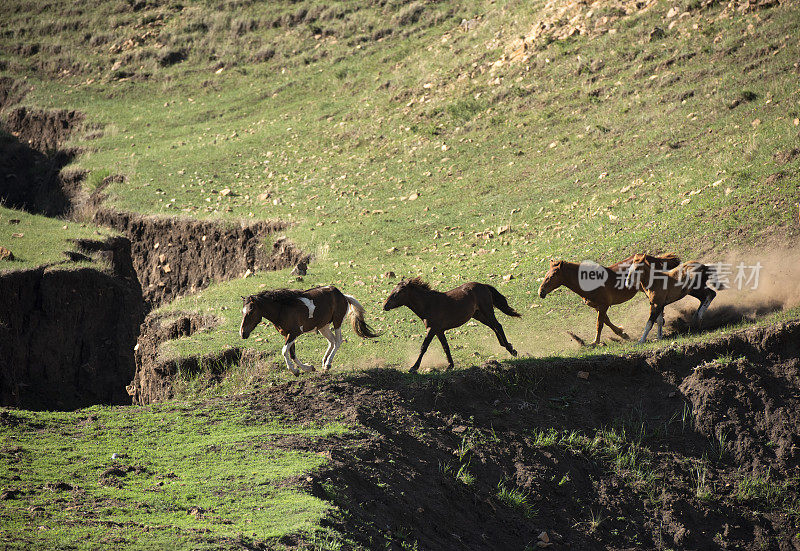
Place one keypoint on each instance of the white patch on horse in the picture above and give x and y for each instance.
(310, 305)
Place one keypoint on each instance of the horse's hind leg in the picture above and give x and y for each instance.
(443, 340)
(489, 320)
(425, 344)
(709, 295)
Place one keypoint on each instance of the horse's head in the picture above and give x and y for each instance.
(639, 264)
(251, 316)
(399, 295)
(553, 279)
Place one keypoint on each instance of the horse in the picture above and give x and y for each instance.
(442, 311)
(688, 279)
(294, 312)
(606, 290)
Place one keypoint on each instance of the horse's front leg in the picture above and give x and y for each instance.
(655, 312)
(287, 354)
(443, 340)
(425, 344)
(618, 330)
(305, 367)
(600, 321)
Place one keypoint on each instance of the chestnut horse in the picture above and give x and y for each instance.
(294, 312)
(442, 311)
(609, 289)
(688, 279)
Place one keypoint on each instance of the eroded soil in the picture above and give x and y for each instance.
(636, 459)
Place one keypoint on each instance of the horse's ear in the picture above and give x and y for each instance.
(553, 261)
(244, 299)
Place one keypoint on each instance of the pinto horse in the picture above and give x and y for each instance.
(608, 290)
(294, 312)
(442, 311)
(688, 279)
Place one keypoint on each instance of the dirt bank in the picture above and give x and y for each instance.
(635, 462)
(67, 335)
(154, 379)
(177, 256)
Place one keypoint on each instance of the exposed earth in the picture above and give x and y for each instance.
(645, 451)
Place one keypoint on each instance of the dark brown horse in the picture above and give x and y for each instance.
(442, 311)
(294, 312)
(604, 290)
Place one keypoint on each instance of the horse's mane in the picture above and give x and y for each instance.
(418, 283)
(279, 296)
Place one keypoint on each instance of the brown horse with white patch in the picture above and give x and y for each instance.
(606, 289)
(663, 288)
(442, 311)
(294, 312)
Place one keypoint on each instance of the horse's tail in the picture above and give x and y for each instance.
(713, 278)
(360, 326)
(501, 303)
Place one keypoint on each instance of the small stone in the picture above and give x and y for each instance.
(247, 274)
(657, 34)
(166, 268)
(508, 277)
(17, 235)
(413, 197)
(162, 258)
(583, 375)
(755, 123)
(544, 537)
(264, 196)
(225, 192)
(389, 275)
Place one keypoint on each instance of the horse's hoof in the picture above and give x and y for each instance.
(413, 369)
(512, 352)
(625, 336)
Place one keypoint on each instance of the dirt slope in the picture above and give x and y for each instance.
(637, 461)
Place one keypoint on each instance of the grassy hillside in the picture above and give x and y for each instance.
(453, 140)
(435, 150)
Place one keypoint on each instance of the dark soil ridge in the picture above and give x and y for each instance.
(177, 256)
(395, 482)
(67, 335)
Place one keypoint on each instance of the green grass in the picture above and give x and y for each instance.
(43, 240)
(514, 498)
(215, 456)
